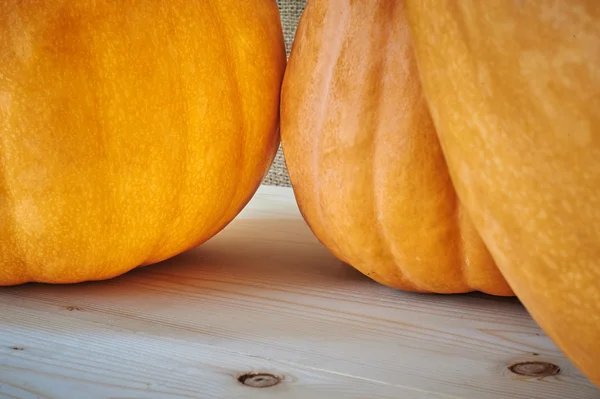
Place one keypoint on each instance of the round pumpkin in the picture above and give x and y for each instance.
(130, 131)
(364, 159)
(514, 91)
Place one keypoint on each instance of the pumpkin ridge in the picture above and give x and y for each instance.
(326, 57)
(110, 173)
(242, 113)
(232, 78)
(376, 82)
(401, 274)
(183, 174)
(239, 114)
(312, 215)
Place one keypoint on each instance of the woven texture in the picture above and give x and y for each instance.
(290, 11)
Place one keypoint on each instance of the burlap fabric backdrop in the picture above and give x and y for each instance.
(290, 13)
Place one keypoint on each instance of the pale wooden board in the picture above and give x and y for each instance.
(265, 295)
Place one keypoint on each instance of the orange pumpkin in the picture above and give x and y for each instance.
(514, 90)
(130, 131)
(364, 159)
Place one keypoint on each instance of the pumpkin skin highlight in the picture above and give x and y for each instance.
(363, 156)
(514, 90)
(130, 131)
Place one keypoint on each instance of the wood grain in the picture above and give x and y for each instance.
(265, 296)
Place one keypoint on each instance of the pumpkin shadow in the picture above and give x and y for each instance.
(285, 251)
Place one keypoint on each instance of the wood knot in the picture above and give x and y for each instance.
(535, 369)
(259, 380)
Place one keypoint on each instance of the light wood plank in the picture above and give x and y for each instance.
(82, 358)
(265, 295)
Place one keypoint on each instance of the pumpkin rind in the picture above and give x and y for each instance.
(130, 131)
(363, 156)
(514, 90)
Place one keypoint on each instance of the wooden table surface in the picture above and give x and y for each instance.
(264, 296)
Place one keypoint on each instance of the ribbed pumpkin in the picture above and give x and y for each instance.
(130, 131)
(364, 159)
(514, 90)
